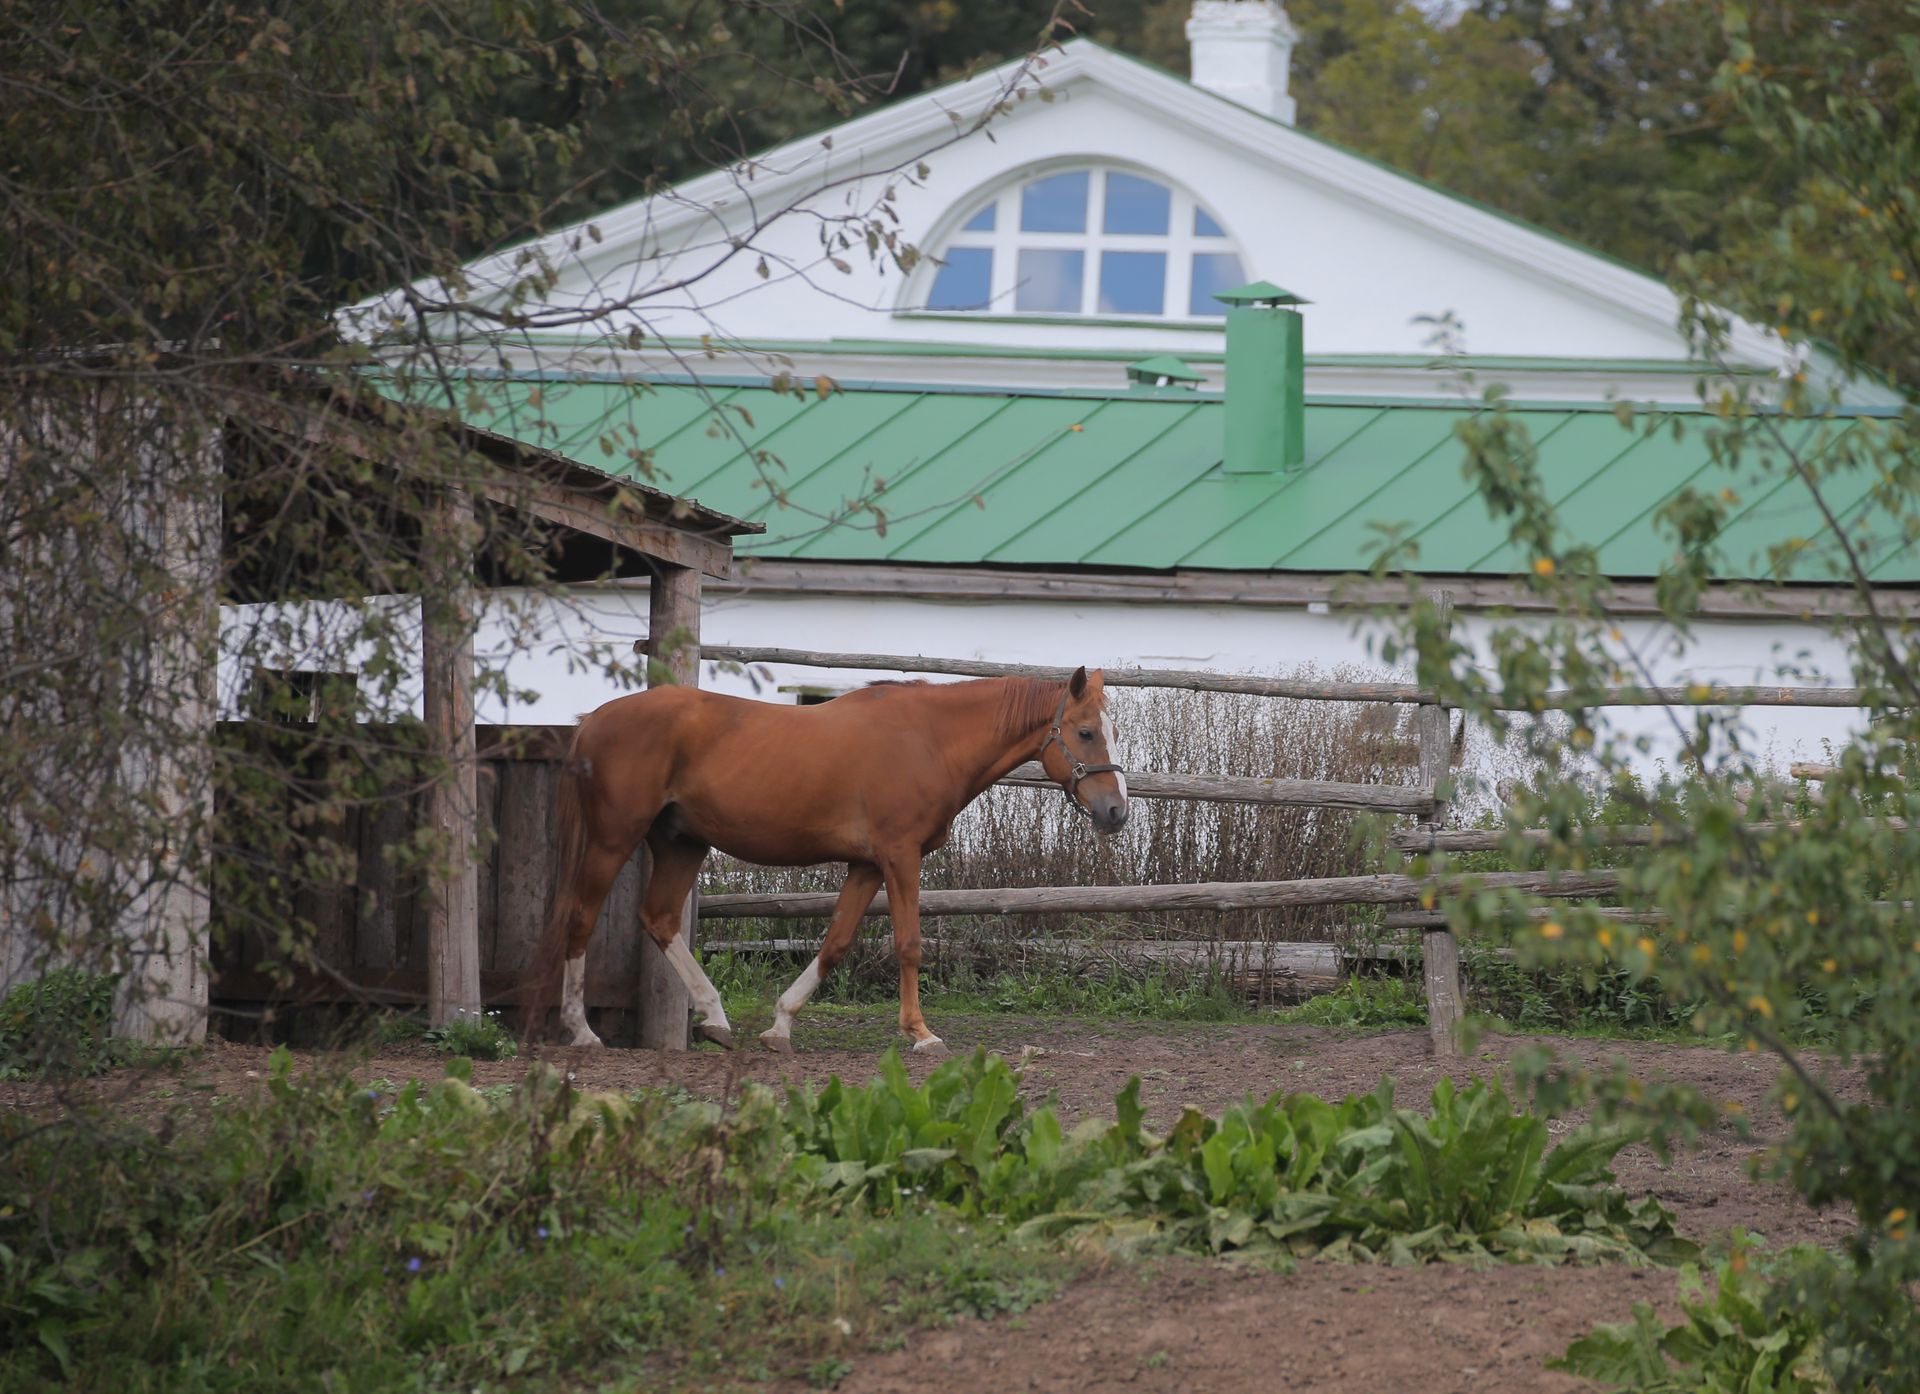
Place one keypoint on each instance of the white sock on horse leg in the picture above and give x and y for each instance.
(706, 997)
(573, 1005)
(794, 998)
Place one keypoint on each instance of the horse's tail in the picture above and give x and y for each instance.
(540, 988)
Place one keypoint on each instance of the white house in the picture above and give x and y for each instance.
(964, 279)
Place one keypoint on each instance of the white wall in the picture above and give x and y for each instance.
(1224, 638)
(566, 657)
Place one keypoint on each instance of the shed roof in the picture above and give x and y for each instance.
(1133, 480)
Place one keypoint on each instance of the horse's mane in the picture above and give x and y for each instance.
(1024, 702)
(1027, 702)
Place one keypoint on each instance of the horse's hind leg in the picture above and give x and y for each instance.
(862, 884)
(599, 867)
(676, 866)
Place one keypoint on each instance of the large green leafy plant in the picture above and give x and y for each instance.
(1294, 1176)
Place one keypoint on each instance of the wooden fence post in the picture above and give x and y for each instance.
(673, 642)
(1440, 950)
(446, 627)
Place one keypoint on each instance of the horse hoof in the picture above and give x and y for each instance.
(778, 1044)
(719, 1035)
(585, 1041)
(932, 1047)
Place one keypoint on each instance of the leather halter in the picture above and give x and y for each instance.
(1078, 769)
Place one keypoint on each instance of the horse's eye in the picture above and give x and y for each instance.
(1085, 734)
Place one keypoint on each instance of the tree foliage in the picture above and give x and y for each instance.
(189, 195)
(1790, 926)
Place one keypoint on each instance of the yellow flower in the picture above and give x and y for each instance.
(1551, 930)
(1543, 566)
(1702, 954)
(1739, 941)
(1605, 937)
(1813, 917)
(1761, 1005)
(1646, 946)
(1898, 1216)
(1829, 965)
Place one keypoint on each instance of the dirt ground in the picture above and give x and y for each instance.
(1195, 1326)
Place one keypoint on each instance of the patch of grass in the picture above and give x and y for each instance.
(476, 1037)
(749, 983)
(1159, 993)
(1363, 1004)
(396, 1028)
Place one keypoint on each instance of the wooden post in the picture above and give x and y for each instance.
(673, 645)
(453, 888)
(1440, 950)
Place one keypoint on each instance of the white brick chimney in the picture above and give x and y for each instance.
(1240, 49)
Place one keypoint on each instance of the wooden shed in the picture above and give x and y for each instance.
(457, 939)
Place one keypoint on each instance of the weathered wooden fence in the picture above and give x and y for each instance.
(369, 942)
(1423, 802)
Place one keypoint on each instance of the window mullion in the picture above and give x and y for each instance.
(1005, 257)
(1180, 244)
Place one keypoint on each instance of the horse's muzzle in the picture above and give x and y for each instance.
(1109, 817)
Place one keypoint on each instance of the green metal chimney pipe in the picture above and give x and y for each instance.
(1266, 380)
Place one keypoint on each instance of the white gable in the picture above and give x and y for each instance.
(739, 256)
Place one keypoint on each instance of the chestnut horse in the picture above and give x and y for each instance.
(873, 779)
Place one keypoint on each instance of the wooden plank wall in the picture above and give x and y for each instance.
(369, 928)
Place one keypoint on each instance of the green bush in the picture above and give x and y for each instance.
(57, 1025)
(476, 1037)
(332, 1236)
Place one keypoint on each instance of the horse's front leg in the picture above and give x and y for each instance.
(903, 901)
(862, 884)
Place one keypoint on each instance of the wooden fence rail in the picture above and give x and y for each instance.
(1196, 680)
(1492, 840)
(1280, 793)
(1199, 895)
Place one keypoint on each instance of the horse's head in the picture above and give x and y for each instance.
(1076, 753)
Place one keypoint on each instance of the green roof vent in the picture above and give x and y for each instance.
(1266, 380)
(1163, 370)
(1261, 293)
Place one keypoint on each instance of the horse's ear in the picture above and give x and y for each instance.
(1077, 684)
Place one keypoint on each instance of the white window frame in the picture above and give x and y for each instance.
(1006, 240)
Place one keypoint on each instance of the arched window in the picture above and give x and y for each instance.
(1093, 241)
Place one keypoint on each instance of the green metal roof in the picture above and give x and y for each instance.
(1133, 479)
